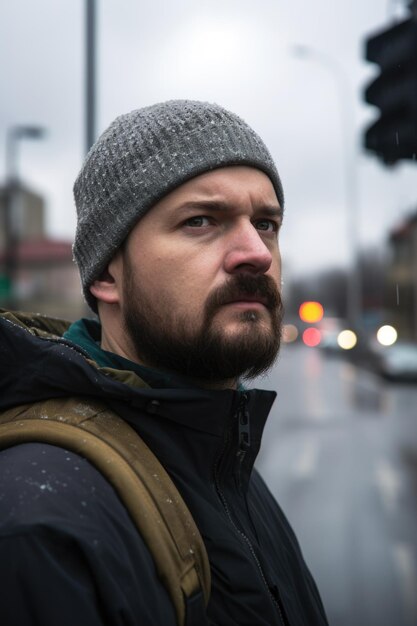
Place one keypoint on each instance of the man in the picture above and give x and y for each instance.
(179, 209)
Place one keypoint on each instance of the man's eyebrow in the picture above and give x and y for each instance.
(205, 205)
(272, 211)
(217, 205)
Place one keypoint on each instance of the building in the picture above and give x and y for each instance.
(37, 273)
(402, 277)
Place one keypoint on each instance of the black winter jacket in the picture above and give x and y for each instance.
(69, 553)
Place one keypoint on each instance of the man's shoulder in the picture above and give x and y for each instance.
(63, 529)
(58, 496)
(51, 486)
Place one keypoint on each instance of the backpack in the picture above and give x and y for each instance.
(91, 430)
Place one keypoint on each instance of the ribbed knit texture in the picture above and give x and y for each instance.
(144, 155)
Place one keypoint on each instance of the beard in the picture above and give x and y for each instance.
(171, 342)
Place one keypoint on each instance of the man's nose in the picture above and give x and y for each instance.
(247, 252)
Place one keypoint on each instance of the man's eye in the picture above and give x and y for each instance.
(267, 225)
(199, 221)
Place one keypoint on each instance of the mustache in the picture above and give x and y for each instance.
(245, 285)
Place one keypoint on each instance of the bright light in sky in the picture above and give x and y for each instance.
(212, 42)
(206, 49)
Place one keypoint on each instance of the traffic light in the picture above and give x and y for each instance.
(394, 135)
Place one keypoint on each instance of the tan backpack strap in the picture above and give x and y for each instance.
(141, 482)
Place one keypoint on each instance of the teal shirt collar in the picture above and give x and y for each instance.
(86, 333)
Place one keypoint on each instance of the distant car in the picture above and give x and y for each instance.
(330, 344)
(398, 362)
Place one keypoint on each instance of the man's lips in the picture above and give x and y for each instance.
(246, 300)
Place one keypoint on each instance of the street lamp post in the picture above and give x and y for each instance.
(354, 290)
(90, 73)
(12, 141)
(14, 135)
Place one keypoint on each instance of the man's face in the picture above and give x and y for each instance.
(201, 277)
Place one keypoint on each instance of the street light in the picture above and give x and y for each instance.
(14, 135)
(354, 296)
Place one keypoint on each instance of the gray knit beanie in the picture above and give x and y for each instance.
(144, 155)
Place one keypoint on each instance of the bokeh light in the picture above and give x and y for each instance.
(347, 339)
(289, 333)
(387, 335)
(311, 312)
(311, 337)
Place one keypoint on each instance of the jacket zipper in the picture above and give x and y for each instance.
(242, 415)
(244, 436)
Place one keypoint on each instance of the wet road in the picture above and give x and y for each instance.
(340, 455)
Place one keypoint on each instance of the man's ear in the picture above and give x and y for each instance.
(107, 288)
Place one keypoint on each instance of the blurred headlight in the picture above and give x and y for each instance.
(387, 335)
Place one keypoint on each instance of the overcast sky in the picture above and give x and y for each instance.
(237, 53)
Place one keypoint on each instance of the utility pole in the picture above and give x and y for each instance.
(90, 74)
